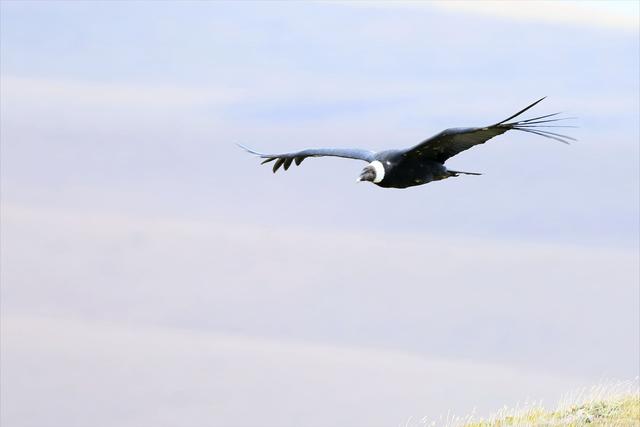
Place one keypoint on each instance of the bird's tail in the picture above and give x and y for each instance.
(456, 173)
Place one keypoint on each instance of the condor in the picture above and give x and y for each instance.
(424, 162)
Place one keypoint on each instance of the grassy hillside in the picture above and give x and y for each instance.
(618, 411)
(611, 404)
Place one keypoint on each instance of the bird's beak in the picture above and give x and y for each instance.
(368, 174)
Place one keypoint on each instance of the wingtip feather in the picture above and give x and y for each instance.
(521, 111)
(248, 150)
(277, 164)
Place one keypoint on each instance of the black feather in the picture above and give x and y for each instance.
(537, 132)
(521, 111)
(523, 123)
(277, 164)
(540, 117)
(544, 126)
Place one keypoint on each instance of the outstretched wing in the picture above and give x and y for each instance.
(287, 158)
(450, 142)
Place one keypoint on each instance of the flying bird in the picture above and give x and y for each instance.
(423, 163)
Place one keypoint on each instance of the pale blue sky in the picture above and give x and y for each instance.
(279, 76)
(128, 210)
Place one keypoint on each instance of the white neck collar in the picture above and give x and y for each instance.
(379, 168)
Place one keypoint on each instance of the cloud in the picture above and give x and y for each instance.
(78, 94)
(624, 16)
(621, 15)
(78, 372)
(429, 295)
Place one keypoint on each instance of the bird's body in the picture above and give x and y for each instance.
(424, 162)
(402, 170)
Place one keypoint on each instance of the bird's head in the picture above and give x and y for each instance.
(373, 172)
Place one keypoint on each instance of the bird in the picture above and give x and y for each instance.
(424, 162)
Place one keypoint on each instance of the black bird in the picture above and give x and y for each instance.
(425, 162)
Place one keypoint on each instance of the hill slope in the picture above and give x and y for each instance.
(619, 411)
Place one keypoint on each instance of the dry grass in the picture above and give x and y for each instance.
(622, 411)
(614, 404)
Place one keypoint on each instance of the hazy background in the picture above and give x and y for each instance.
(154, 275)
